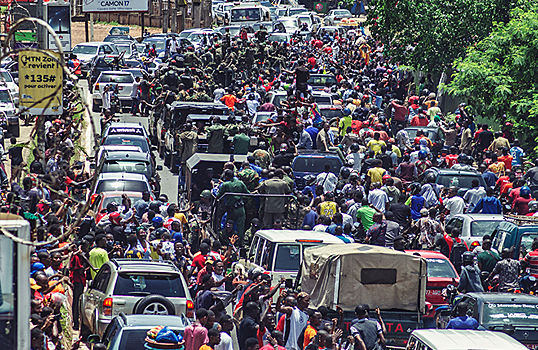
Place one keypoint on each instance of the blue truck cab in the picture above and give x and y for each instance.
(517, 233)
(311, 162)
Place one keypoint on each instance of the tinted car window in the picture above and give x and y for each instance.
(315, 164)
(514, 313)
(287, 257)
(431, 134)
(167, 285)
(481, 228)
(115, 185)
(323, 100)
(85, 50)
(461, 181)
(116, 78)
(440, 268)
(128, 141)
(127, 166)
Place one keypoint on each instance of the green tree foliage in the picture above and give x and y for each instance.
(499, 76)
(430, 34)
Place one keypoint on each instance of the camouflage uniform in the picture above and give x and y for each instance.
(263, 157)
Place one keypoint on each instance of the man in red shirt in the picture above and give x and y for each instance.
(198, 262)
(77, 273)
(521, 204)
(420, 120)
(531, 259)
(400, 112)
(452, 158)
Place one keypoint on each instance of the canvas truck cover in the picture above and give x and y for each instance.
(352, 274)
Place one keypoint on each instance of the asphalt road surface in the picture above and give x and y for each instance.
(169, 181)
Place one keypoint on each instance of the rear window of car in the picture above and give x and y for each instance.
(440, 268)
(431, 134)
(461, 181)
(483, 227)
(323, 100)
(127, 166)
(116, 78)
(128, 141)
(134, 339)
(322, 80)
(144, 284)
(288, 257)
(315, 164)
(126, 185)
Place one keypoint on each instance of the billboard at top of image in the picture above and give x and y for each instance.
(114, 5)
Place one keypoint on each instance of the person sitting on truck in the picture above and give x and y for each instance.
(462, 321)
(367, 333)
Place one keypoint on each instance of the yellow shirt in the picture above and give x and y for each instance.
(375, 146)
(328, 208)
(376, 174)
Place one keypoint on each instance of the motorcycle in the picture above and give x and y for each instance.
(442, 313)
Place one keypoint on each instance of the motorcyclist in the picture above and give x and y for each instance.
(470, 275)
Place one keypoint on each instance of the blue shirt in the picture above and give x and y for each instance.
(256, 168)
(462, 322)
(417, 203)
(313, 135)
(517, 153)
(310, 219)
(488, 205)
(490, 178)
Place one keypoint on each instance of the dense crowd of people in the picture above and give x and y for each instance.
(383, 195)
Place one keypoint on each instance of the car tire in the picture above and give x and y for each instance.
(155, 305)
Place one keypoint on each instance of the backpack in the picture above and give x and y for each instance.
(456, 253)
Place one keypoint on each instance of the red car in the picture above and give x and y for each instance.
(441, 273)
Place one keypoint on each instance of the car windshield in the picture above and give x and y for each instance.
(289, 23)
(517, 314)
(159, 44)
(184, 34)
(126, 48)
(234, 31)
(116, 78)
(461, 181)
(119, 199)
(267, 26)
(134, 339)
(6, 76)
(323, 100)
(263, 117)
(167, 285)
(321, 80)
(128, 141)
(246, 14)
(287, 257)
(135, 72)
(440, 268)
(526, 243)
(118, 185)
(297, 11)
(107, 62)
(431, 134)
(314, 164)
(85, 50)
(342, 13)
(112, 38)
(279, 98)
(196, 37)
(281, 39)
(483, 227)
(4, 96)
(127, 166)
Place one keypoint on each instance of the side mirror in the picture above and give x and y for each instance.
(159, 167)
(94, 339)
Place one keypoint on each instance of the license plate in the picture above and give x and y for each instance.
(433, 292)
(532, 346)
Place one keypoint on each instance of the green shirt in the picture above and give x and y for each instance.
(344, 123)
(98, 257)
(234, 186)
(215, 138)
(365, 215)
(241, 143)
(487, 259)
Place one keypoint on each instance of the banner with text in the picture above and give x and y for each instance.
(40, 83)
(115, 6)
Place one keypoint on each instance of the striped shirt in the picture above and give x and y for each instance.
(532, 260)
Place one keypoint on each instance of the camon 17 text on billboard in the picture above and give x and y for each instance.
(115, 6)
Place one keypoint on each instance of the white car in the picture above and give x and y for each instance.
(335, 16)
(291, 24)
(8, 110)
(474, 226)
(7, 79)
(86, 52)
(124, 82)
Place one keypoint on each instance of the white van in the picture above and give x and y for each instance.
(453, 339)
(280, 252)
(248, 14)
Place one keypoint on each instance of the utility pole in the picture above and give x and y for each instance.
(40, 30)
(173, 23)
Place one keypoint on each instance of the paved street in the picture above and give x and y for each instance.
(168, 180)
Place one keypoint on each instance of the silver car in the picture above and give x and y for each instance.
(335, 16)
(134, 287)
(474, 226)
(122, 80)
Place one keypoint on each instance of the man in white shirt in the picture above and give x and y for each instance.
(454, 204)
(227, 325)
(297, 316)
(377, 197)
(252, 104)
(218, 93)
(327, 179)
(474, 195)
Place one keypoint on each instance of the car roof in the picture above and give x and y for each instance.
(456, 339)
(454, 172)
(321, 93)
(93, 43)
(294, 235)
(481, 217)
(154, 320)
(505, 297)
(123, 176)
(114, 148)
(126, 124)
(143, 265)
(115, 72)
(122, 155)
(428, 254)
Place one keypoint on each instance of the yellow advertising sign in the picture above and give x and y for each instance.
(40, 83)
